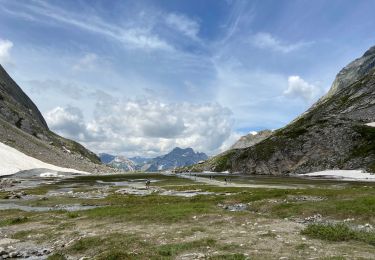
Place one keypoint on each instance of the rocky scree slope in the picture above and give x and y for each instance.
(332, 134)
(23, 127)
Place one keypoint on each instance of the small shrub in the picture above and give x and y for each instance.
(338, 232)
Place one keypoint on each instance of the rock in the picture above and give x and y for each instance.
(234, 207)
(313, 219)
(192, 256)
(14, 254)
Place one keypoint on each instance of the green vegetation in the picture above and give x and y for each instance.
(13, 221)
(367, 147)
(222, 161)
(56, 256)
(128, 246)
(165, 227)
(174, 249)
(229, 257)
(338, 232)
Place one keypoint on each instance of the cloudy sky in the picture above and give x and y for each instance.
(141, 77)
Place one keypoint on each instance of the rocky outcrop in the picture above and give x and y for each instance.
(332, 134)
(23, 127)
(251, 139)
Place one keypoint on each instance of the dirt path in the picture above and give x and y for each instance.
(233, 184)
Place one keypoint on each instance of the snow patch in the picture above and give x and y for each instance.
(372, 124)
(13, 161)
(50, 175)
(357, 175)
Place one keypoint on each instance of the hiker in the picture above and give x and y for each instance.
(148, 182)
(226, 181)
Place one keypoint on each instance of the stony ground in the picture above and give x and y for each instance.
(195, 217)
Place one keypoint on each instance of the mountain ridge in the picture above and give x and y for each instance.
(23, 127)
(178, 157)
(332, 134)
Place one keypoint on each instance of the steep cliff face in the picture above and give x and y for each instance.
(333, 133)
(17, 108)
(23, 127)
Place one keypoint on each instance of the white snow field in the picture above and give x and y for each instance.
(13, 161)
(356, 175)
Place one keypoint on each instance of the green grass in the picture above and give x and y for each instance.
(128, 246)
(153, 208)
(13, 221)
(174, 249)
(338, 232)
(56, 256)
(22, 234)
(229, 257)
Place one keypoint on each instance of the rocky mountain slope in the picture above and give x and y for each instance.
(251, 139)
(123, 163)
(23, 127)
(106, 158)
(333, 134)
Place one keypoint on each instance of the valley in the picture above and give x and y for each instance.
(187, 130)
(187, 216)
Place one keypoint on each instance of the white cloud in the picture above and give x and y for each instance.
(267, 41)
(183, 24)
(130, 35)
(87, 62)
(146, 127)
(68, 122)
(5, 47)
(299, 88)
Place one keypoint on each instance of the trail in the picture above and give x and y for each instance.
(233, 184)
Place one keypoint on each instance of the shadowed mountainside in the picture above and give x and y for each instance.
(23, 127)
(332, 134)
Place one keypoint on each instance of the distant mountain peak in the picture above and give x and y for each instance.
(178, 157)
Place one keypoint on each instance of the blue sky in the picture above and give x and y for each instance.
(141, 77)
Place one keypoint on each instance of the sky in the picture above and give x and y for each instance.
(141, 77)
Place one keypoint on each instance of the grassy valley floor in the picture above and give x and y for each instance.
(188, 217)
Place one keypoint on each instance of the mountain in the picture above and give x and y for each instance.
(335, 133)
(106, 158)
(140, 160)
(23, 127)
(251, 139)
(176, 158)
(123, 163)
